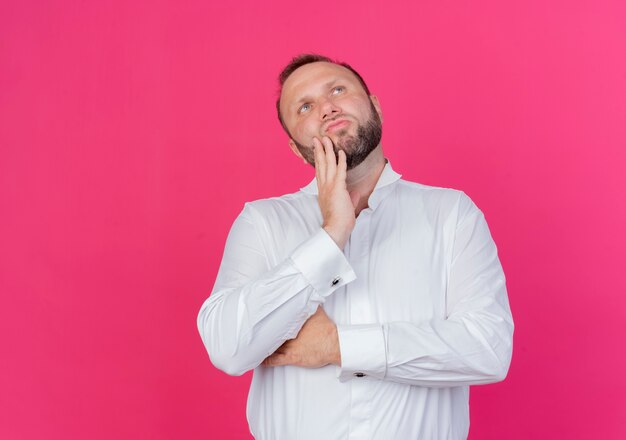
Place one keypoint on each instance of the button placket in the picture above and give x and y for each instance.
(360, 313)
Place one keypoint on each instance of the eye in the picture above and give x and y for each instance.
(338, 89)
(304, 108)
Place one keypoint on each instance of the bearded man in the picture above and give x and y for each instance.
(365, 304)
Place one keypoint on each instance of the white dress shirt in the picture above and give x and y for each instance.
(418, 295)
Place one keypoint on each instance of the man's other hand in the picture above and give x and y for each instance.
(316, 345)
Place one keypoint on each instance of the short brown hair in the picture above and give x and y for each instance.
(301, 60)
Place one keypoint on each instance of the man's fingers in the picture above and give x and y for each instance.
(320, 160)
(342, 167)
(276, 360)
(331, 159)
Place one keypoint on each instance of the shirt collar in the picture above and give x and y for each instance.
(385, 182)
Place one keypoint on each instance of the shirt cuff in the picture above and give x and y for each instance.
(362, 350)
(323, 264)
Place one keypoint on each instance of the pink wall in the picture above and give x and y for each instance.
(131, 133)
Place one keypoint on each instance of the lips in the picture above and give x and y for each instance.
(336, 125)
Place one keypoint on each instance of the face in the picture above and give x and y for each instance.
(325, 99)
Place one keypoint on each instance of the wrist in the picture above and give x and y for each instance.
(336, 352)
(339, 236)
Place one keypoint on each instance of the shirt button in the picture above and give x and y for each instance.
(359, 374)
(335, 281)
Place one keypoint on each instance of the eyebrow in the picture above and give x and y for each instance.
(308, 98)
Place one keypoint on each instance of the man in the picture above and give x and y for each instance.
(365, 304)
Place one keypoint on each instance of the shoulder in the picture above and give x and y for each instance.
(430, 193)
(437, 199)
(277, 202)
(280, 206)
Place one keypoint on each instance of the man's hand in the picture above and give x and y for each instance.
(316, 345)
(336, 204)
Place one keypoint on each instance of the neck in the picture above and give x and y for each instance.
(363, 177)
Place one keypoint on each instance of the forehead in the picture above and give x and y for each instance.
(311, 78)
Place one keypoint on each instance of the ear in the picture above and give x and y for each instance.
(374, 99)
(295, 150)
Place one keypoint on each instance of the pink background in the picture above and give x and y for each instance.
(131, 134)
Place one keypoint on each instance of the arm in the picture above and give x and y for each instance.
(472, 345)
(253, 310)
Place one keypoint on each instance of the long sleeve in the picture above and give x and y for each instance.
(471, 345)
(253, 307)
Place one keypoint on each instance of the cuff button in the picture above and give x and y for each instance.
(335, 281)
(359, 374)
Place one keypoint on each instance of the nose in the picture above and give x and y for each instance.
(328, 109)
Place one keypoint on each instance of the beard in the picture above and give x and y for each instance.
(358, 147)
